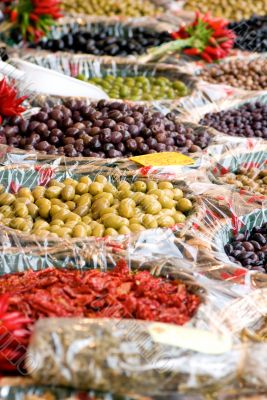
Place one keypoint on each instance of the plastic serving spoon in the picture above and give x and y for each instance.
(46, 81)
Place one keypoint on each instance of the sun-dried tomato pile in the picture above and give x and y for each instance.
(95, 294)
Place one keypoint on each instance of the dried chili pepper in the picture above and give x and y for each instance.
(95, 294)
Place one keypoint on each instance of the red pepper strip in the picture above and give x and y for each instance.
(34, 17)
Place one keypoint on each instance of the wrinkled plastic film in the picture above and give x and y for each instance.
(118, 360)
(20, 250)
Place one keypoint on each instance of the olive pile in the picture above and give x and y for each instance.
(252, 179)
(249, 249)
(81, 208)
(228, 9)
(130, 8)
(240, 73)
(248, 121)
(251, 33)
(138, 88)
(104, 129)
(104, 40)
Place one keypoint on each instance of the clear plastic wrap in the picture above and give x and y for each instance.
(98, 67)
(227, 213)
(239, 157)
(20, 249)
(123, 356)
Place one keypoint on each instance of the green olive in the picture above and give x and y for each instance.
(184, 205)
(79, 231)
(38, 192)
(81, 188)
(25, 192)
(110, 232)
(138, 197)
(21, 210)
(166, 202)
(18, 223)
(86, 180)
(139, 186)
(179, 217)
(135, 228)
(87, 219)
(124, 185)
(109, 188)
(151, 206)
(104, 195)
(111, 221)
(98, 230)
(84, 200)
(101, 179)
(68, 193)
(71, 182)
(62, 214)
(149, 221)
(95, 188)
(6, 211)
(81, 210)
(165, 221)
(53, 192)
(124, 230)
(178, 194)
(7, 199)
(165, 185)
(57, 222)
(151, 185)
(54, 182)
(71, 205)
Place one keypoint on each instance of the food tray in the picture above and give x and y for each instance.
(12, 177)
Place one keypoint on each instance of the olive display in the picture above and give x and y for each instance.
(228, 9)
(110, 40)
(138, 88)
(104, 129)
(133, 8)
(240, 73)
(251, 33)
(249, 249)
(249, 120)
(252, 179)
(81, 208)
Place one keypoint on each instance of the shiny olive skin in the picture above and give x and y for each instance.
(94, 207)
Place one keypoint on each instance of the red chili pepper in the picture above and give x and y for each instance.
(13, 15)
(206, 57)
(192, 52)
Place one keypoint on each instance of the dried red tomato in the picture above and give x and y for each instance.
(95, 294)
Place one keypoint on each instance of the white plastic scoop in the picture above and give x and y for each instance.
(46, 81)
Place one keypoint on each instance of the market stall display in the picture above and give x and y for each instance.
(94, 207)
(245, 73)
(235, 11)
(133, 200)
(251, 33)
(102, 39)
(247, 120)
(103, 129)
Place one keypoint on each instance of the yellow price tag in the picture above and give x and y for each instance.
(163, 159)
